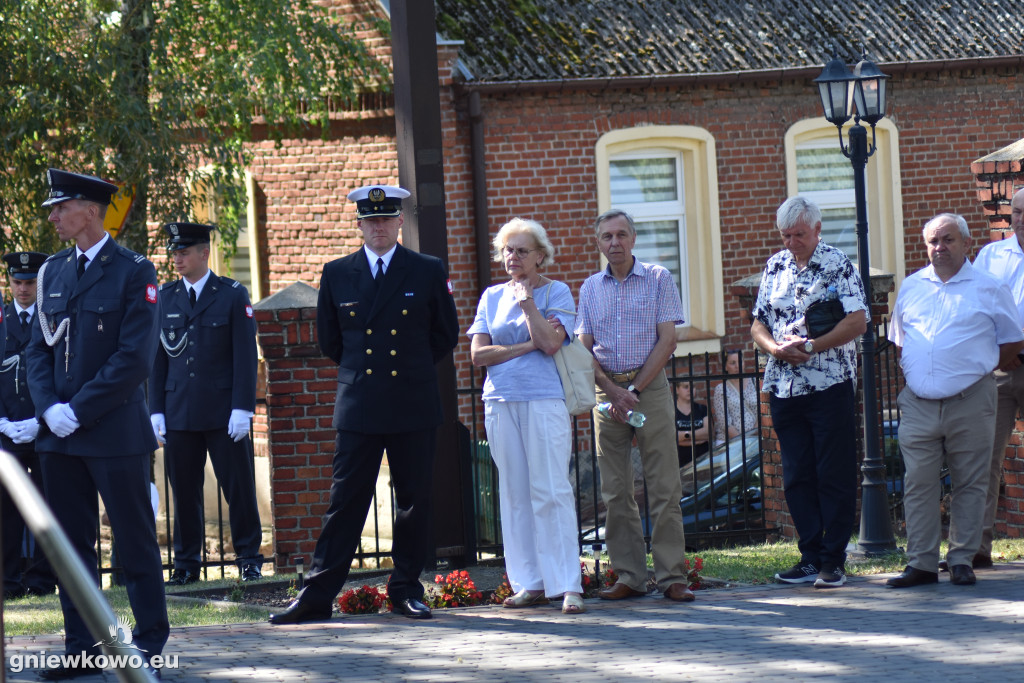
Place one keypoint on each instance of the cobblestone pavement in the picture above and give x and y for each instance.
(863, 631)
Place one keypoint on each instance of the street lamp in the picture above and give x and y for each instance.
(862, 95)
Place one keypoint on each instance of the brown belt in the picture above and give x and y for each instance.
(627, 376)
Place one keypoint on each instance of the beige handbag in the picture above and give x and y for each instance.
(576, 370)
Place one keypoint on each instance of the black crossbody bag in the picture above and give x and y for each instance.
(822, 316)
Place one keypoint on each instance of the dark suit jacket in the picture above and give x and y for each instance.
(386, 342)
(214, 370)
(113, 336)
(15, 401)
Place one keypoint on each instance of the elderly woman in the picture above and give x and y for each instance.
(730, 418)
(519, 325)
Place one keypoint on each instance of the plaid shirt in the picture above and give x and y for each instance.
(623, 317)
(784, 295)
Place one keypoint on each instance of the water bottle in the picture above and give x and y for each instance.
(633, 417)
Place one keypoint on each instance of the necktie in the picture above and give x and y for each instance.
(82, 260)
(380, 271)
(24, 320)
(192, 296)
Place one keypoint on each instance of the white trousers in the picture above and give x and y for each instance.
(531, 443)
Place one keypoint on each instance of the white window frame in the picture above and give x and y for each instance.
(704, 297)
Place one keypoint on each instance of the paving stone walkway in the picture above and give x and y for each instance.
(861, 632)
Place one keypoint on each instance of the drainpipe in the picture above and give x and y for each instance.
(480, 217)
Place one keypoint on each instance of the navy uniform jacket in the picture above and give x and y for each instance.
(386, 343)
(206, 362)
(15, 401)
(113, 328)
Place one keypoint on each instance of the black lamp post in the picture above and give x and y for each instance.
(862, 95)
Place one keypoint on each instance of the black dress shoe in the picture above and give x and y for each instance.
(299, 612)
(962, 575)
(412, 608)
(182, 577)
(912, 576)
(251, 572)
(63, 673)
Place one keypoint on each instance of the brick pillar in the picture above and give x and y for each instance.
(300, 405)
(776, 512)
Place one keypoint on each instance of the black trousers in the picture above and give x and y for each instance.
(72, 483)
(25, 564)
(357, 459)
(819, 469)
(185, 460)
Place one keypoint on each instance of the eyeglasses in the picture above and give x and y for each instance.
(520, 252)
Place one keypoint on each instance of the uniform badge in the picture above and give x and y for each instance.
(248, 311)
(151, 293)
(450, 289)
(24, 258)
(171, 335)
(377, 195)
(173, 227)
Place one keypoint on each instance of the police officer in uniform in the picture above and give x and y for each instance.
(386, 315)
(18, 428)
(90, 354)
(202, 396)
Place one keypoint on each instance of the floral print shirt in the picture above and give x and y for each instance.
(785, 293)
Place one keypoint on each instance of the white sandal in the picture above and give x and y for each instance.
(525, 598)
(572, 603)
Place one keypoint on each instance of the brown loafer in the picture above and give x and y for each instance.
(680, 593)
(619, 591)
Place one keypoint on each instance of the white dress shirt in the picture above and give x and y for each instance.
(951, 331)
(1005, 260)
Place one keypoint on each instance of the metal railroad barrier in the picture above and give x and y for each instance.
(70, 570)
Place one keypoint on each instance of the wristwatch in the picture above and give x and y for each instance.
(809, 346)
(633, 389)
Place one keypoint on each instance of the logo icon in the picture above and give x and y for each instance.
(120, 634)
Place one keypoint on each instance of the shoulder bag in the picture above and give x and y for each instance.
(575, 368)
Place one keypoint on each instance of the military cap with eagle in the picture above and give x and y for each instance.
(65, 186)
(378, 200)
(24, 265)
(184, 235)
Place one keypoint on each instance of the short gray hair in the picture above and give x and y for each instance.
(797, 210)
(530, 227)
(960, 221)
(610, 214)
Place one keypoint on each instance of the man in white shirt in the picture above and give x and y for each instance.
(956, 324)
(1005, 260)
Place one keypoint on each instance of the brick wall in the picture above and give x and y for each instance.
(301, 385)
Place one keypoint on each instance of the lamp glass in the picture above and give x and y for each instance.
(835, 88)
(869, 91)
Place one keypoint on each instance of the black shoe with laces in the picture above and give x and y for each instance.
(799, 573)
(182, 577)
(251, 572)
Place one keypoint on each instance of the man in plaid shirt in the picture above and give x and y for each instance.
(627, 317)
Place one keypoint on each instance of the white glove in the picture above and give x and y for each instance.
(61, 420)
(8, 428)
(27, 430)
(159, 427)
(238, 424)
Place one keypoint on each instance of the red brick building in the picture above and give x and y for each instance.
(699, 120)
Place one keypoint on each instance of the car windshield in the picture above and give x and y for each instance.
(699, 474)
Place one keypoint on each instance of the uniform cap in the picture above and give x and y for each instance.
(65, 186)
(378, 200)
(184, 235)
(24, 265)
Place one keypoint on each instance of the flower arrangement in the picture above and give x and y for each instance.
(693, 572)
(590, 582)
(502, 591)
(455, 590)
(365, 600)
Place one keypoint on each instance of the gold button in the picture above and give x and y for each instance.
(369, 331)
(394, 373)
(393, 332)
(405, 311)
(369, 352)
(352, 314)
(369, 371)
(393, 352)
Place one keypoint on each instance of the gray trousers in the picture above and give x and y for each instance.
(959, 430)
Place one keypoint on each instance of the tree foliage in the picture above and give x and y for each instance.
(162, 95)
